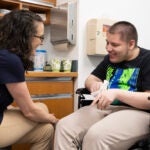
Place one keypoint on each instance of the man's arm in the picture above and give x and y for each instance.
(93, 83)
(135, 99)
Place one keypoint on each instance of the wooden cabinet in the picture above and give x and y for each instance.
(40, 7)
(50, 1)
(9, 5)
(56, 90)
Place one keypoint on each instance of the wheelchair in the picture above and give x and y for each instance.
(143, 144)
(6, 148)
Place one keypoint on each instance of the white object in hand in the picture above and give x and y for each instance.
(103, 87)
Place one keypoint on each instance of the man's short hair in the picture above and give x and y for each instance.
(126, 29)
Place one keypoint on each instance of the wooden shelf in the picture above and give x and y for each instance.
(51, 74)
(34, 6)
(10, 5)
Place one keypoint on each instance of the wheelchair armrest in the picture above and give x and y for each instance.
(81, 91)
(81, 98)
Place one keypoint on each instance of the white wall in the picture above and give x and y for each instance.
(52, 52)
(135, 11)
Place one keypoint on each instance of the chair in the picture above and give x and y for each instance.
(81, 98)
(143, 144)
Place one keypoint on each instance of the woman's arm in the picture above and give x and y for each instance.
(21, 95)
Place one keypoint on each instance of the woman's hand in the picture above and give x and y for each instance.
(53, 119)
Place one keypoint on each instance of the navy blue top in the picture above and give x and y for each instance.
(11, 71)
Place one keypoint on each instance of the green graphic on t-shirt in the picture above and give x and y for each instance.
(125, 78)
(109, 73)
(122, 78)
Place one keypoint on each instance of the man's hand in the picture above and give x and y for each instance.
(103, 86)
(104, 99)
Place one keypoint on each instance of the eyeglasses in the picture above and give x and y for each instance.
(40, 37)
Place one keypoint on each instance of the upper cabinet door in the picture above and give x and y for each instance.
(42, 7)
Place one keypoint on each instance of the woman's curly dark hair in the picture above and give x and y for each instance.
(16, 31)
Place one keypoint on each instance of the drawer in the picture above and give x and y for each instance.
(61, 107)
(50, 87)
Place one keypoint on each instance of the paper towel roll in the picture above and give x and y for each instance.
(62, 47)
(39, 60)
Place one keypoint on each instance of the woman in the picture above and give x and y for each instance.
(21, 32)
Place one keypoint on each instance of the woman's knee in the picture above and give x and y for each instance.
(50, 130)
(43, 106)
(47, 131)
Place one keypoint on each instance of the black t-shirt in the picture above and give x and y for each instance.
(11, 71)
(131, 75)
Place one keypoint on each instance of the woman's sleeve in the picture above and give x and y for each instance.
(11, 69)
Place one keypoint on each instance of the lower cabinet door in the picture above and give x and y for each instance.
(60, 107)
(21, 147)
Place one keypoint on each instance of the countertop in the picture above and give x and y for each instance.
(50, 74)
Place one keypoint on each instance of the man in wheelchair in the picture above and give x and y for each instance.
(118, 117)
